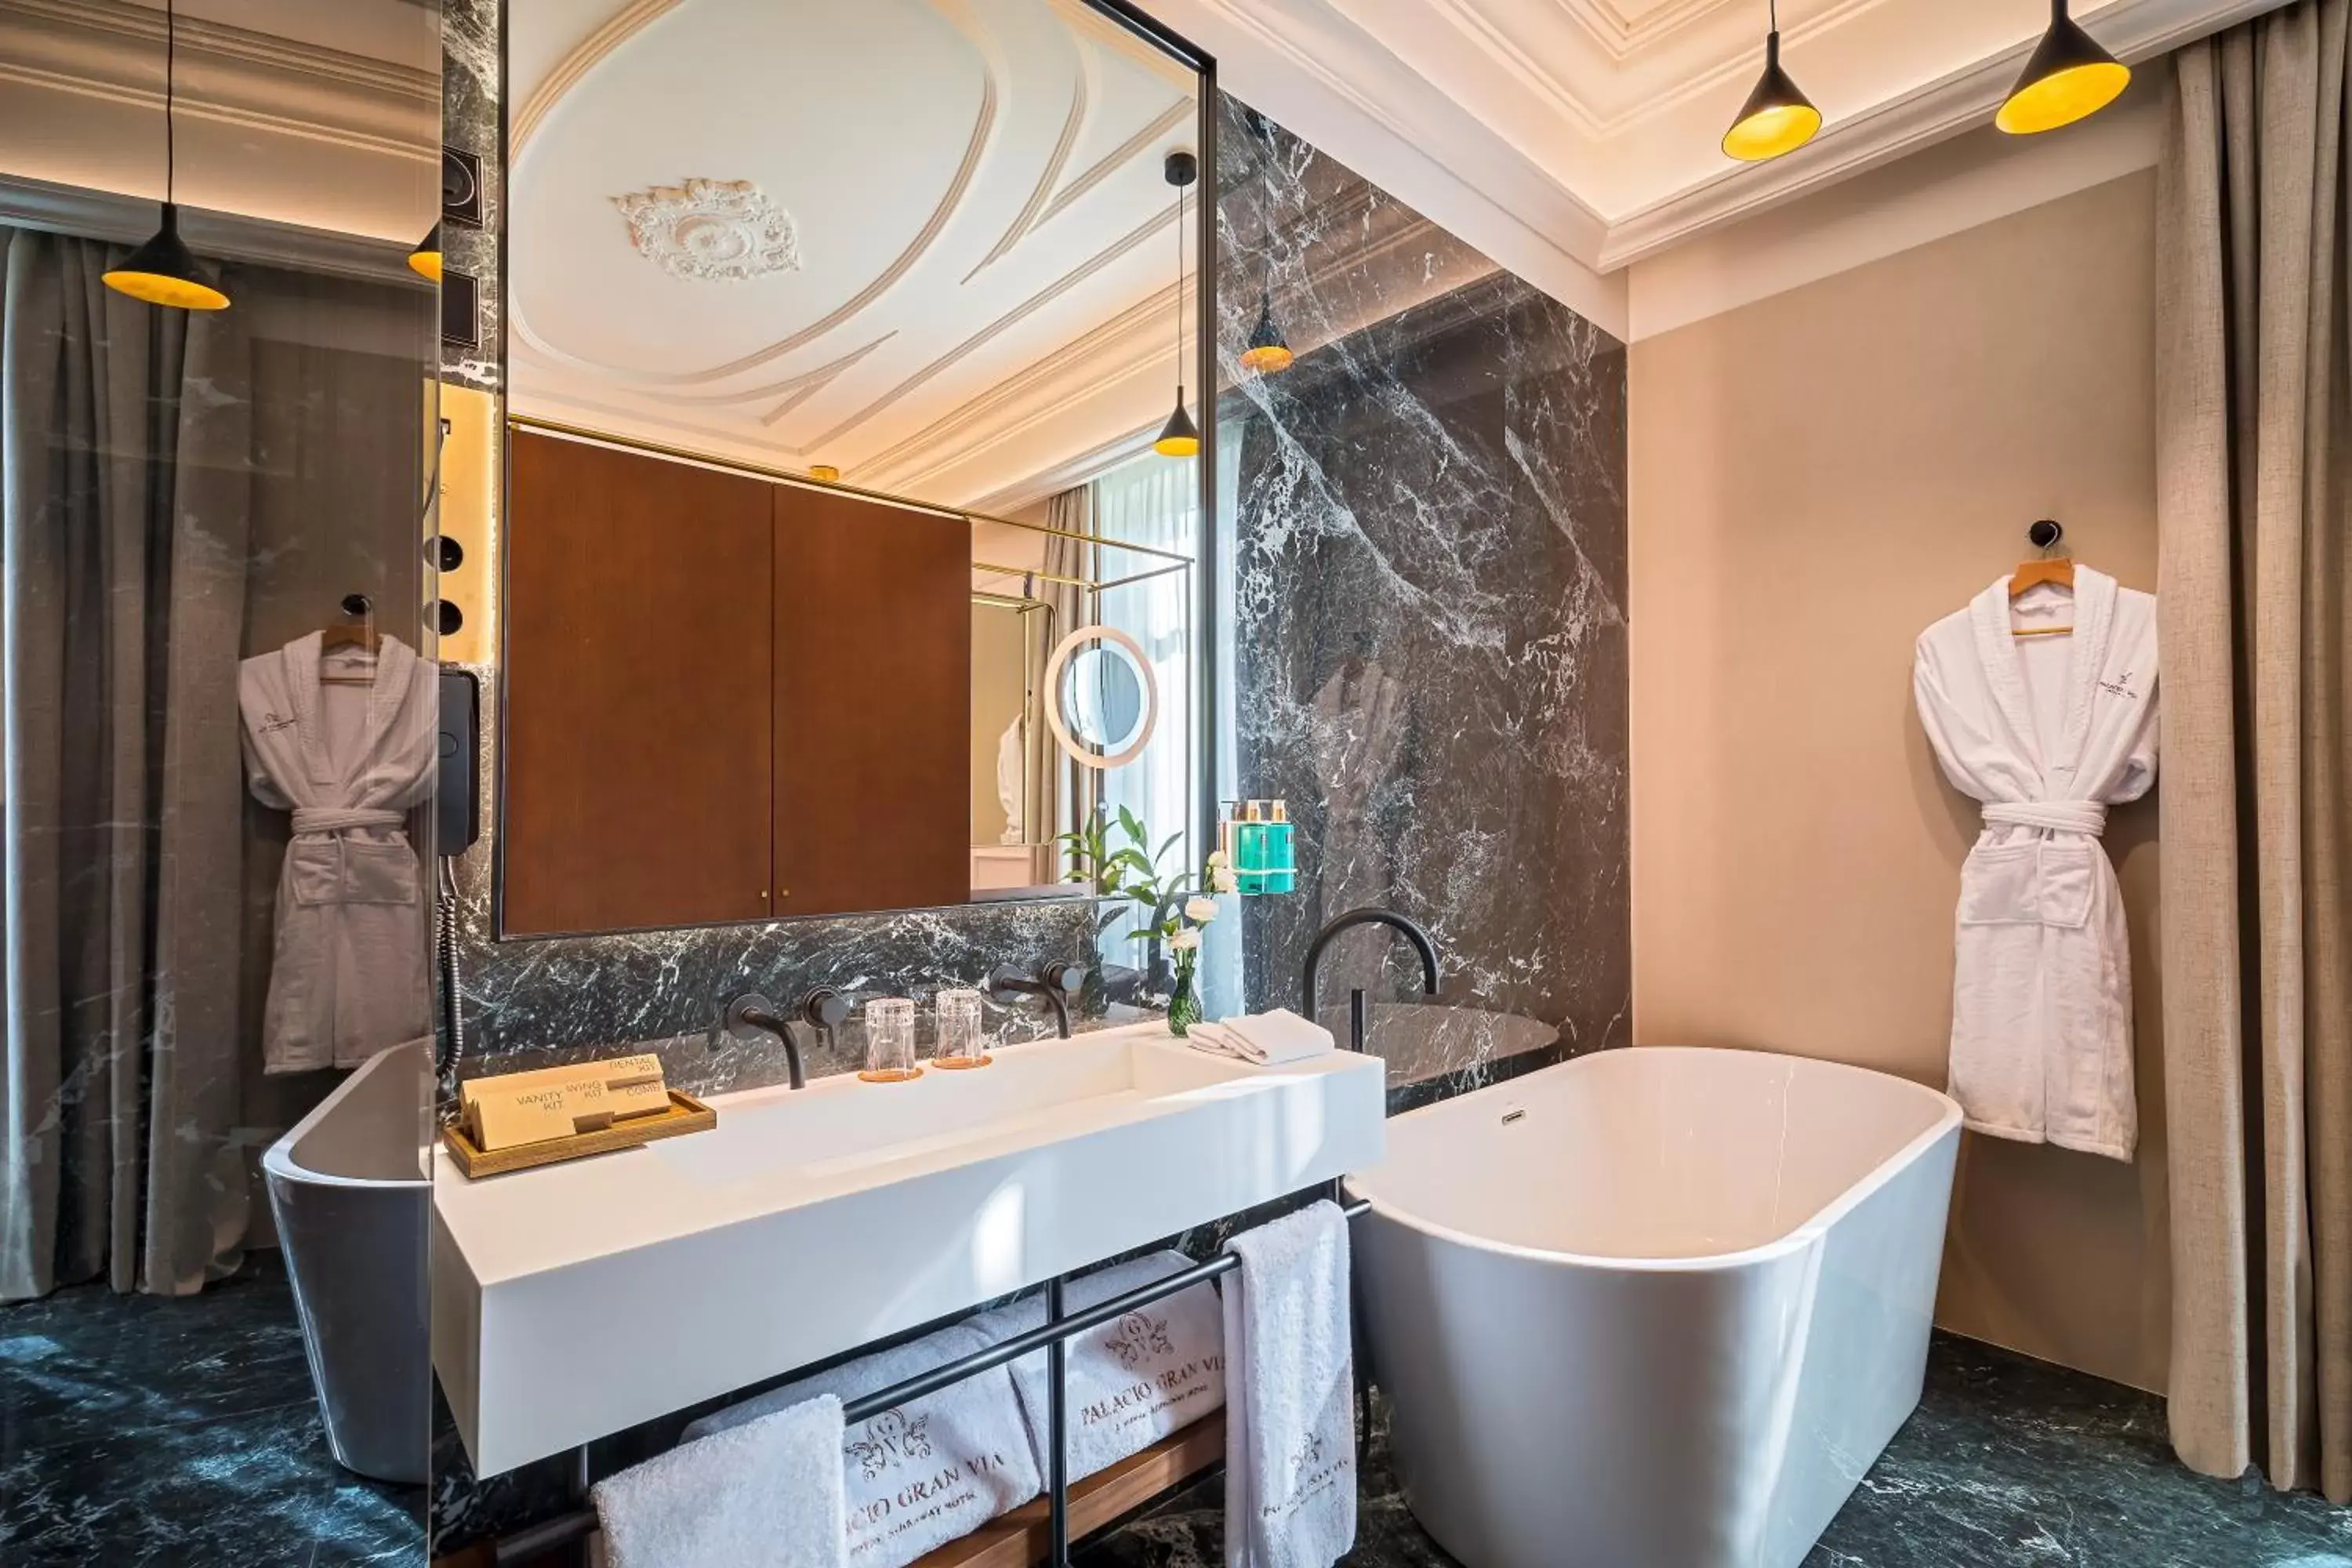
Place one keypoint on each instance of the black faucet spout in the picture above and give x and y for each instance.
(1422, 942)
(1054, 982)
(750, 1015)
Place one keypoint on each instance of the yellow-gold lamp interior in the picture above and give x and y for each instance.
(164, 271)
(1777, 117)
(2069, 78)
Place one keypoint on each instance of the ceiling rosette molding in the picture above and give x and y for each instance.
(711, 231)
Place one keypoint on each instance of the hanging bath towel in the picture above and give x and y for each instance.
(348, 978)
(2047, 732)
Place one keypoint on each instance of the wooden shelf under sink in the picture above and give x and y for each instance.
(1017, 1539)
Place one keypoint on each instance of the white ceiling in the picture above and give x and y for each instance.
(1570, 137)
(979, 282)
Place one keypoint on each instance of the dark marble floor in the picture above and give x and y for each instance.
(179, 1432)
(2008, 1463)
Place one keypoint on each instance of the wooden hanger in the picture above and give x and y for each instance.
(358, 631)
(2051, 567)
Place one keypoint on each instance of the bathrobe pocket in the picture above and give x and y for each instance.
(2000, 885)
(2035, 883)
(331, 869)
(379, 873)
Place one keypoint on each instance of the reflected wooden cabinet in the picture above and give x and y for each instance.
(726, 698)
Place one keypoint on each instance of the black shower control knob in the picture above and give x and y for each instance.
(1063, 976)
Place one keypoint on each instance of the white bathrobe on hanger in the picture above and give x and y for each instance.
(349, 978)
(2048, 732)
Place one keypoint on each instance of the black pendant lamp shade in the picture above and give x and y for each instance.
(426, 260)
(1180, 438)
(2069, 78)
(164, 271)
(1777, 117)
(1269, 352)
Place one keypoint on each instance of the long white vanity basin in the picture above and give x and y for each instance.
(576, 1299)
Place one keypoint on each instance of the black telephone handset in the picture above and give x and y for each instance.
(456, 790)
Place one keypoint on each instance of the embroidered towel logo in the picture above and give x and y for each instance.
(271, 724)
(894, 1440)
(1137, 1339)
(2120, 686)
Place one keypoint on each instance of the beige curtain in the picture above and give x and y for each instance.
(2254, 388)
(1064, 790)
(125, 458)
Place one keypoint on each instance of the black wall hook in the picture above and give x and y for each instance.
(356, 605)
(2045, 534)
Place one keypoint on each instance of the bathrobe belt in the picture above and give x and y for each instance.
(315, 820)
(2059, 815)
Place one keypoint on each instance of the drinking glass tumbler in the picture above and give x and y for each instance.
(962, 1044)
(890, 1041)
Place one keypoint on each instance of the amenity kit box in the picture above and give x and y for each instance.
(510, 1109)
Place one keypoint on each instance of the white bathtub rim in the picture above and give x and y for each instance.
(277, 1160)
(1947, 1124)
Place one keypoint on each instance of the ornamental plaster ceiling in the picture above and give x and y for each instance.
(926, 242)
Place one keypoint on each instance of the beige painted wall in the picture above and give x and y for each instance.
(1815, 477)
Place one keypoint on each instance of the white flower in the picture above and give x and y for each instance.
(1222, 879)
(1200, 912)
(1216, 859)
(1184, 941)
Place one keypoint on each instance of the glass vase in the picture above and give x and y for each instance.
(1185, 1001)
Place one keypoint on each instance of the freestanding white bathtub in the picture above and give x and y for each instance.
(1653, 1308)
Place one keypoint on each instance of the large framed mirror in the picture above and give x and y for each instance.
(843, 346)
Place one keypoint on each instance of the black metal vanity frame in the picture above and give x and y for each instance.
(525, 1544)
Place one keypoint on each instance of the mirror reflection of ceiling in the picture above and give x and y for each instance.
(926, 242)
(327, 116)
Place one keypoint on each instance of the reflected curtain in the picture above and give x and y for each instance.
(1062, 786)
(2254, 385)
(124, 443)
(1154, 502)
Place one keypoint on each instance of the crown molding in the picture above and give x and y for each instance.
(227, 237)
(111, 51)
(2136, 30)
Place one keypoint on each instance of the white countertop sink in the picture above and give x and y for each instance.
(576, 1299)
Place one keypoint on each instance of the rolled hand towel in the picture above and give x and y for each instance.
(766, 1493)
(1132, 1380)
(1268, 1040)
(1290, 1421)
(918, 1475)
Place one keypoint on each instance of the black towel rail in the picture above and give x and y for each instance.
(533, 1541)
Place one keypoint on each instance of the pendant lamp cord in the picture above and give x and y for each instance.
(1179, 295)
(170, 48)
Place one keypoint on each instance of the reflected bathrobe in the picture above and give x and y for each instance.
(2047, 732)
(348, 978)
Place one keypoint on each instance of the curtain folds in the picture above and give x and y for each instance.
(124, 440)
(2254, 388)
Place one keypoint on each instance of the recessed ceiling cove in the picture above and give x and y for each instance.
(926, 242)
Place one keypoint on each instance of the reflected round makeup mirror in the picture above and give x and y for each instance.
(1105, 702)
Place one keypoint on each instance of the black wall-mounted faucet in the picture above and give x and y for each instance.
(751, 1014)
(1414, 933)
(1053, 982)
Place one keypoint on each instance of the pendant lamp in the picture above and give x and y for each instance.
(1268, 352)
(1180, 438)
(2069, 78)
(164, 271)
(426, 260)
(1777, 118)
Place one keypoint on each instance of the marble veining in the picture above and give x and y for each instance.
(179, 1430)
(1428, 570)
(2008, 1463)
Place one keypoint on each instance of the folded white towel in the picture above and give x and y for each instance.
(1130, 1381)
(1290, 1421)
(1268, 1040)
(918, 1475)
(764, 1494)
